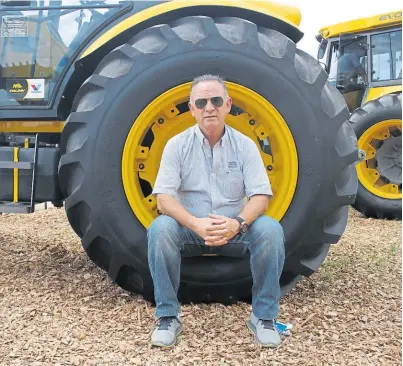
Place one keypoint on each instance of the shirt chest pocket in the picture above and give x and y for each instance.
(231, 184)
(191, 181)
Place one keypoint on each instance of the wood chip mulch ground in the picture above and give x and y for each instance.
(58, 308)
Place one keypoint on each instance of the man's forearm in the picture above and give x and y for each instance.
(255, 208)
(168, 205)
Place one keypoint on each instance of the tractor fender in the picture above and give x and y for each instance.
(284, 19)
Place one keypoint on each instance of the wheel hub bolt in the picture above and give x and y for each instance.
(270, 167)
(141, 166)
(161, 121)
(252, 122)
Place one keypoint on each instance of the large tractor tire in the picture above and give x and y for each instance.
(136, 100)
(378, 126)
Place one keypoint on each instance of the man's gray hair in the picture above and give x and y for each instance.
(209, 77)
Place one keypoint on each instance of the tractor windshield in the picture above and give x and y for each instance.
(38, 41)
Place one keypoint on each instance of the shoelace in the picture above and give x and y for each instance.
(165, 322)
(268, 324)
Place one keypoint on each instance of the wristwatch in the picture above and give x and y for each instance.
(243, 226)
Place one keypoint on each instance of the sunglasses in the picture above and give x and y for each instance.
(215, 101)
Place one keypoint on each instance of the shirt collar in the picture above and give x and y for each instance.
(199, 134)
(203, 139)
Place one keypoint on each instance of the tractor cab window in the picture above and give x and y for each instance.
(386, 56)
(37, 45)
(348, 68)
(348, 65)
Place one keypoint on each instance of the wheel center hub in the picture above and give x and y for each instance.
(389, 160)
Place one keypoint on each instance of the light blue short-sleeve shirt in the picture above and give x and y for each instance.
(212, 180)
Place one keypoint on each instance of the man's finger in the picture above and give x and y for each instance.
(216, 234)
(216, 243)
(218, 221)
(213, 237)
(216, 227)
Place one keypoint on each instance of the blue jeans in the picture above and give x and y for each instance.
(168, 241)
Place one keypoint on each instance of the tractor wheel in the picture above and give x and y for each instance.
(378, 126)
(124, 114)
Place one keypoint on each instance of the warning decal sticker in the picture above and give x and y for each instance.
(14, 26)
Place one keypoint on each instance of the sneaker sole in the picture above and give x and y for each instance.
(162, 345)
(252, 329)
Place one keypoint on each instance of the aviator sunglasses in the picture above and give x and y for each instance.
(215, 101)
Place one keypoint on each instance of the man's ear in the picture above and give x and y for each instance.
(229, 104)
(191, 109)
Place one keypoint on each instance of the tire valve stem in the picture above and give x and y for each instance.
(270, 168)
(141, 166)
(161, 121)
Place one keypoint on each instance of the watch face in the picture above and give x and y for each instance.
(244, 228)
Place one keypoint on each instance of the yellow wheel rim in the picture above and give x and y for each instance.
(370, 172)
(168, 115)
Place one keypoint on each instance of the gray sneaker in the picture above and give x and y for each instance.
(166, 331)
(265, 331)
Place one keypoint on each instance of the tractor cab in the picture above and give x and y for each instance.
(361, 55)
(40, 41)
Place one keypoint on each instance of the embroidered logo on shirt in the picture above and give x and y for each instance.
(232, 164)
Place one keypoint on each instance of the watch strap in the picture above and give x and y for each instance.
(240, 220)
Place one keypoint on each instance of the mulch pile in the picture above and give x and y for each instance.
(57, 307)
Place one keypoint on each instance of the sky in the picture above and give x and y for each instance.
(316, 14)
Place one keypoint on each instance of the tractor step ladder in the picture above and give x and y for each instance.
(15, 206)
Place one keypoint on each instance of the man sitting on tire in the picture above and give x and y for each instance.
(206, 176)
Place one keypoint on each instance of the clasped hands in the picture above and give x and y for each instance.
(216, 230)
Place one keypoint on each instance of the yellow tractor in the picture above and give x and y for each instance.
(91, 91)
(364, 60)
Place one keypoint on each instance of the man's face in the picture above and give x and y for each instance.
(210, 117)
